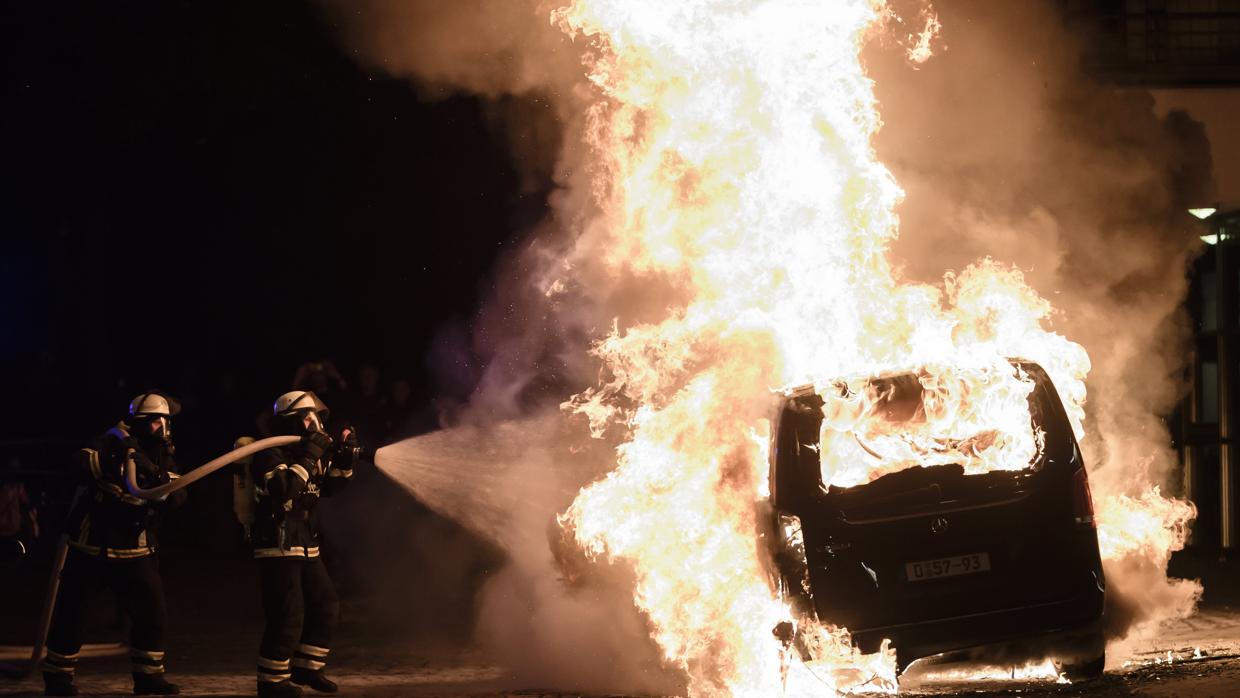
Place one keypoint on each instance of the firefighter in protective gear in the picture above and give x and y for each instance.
(112, 543)
(299, 600)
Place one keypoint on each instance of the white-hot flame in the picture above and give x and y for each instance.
(733, 166)
(978, 418)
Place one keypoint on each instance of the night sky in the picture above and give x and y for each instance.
(200, 196)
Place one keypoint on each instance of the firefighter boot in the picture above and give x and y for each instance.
(315, 679)
(278, 689)
(56, 683)
(153, 685)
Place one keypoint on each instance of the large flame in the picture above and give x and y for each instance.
(734, 166)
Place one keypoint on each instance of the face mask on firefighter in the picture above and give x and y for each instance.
(152, 417)
(312, 422)
(161, 428)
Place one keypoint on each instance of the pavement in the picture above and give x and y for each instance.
(214, 612)
(1198, 656)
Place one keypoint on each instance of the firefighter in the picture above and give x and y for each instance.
(112, 543)
(299, 601)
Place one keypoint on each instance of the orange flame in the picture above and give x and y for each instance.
(733, 163)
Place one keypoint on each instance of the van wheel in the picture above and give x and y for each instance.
(1083, 669)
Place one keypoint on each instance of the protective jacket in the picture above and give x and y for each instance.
(108, 522)
(287, 487)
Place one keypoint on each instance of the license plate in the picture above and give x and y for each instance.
(947, 567)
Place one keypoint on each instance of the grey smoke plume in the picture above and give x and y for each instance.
(505, 51)
(1004, 149)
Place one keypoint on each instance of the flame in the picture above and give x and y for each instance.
(1145, 526)
(733, 165)
(920, 44)
(1030, 671)
(978, 418)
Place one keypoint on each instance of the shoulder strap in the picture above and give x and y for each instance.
(87, 460)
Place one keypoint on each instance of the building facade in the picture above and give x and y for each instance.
(1208, 424)
(1162, 43)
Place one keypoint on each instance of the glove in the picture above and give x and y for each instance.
(347, 449)
(313, 446)
(348, 438)
(145, 466)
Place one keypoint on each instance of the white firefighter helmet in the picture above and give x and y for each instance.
(154, 404)
(297, 401)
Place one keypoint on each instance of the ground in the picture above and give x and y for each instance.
(1216, 673)
(1199, 656)
(216, 630)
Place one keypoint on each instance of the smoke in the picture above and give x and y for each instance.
(507, 52)
(506, 480)
(505, 465)
(1003, 148)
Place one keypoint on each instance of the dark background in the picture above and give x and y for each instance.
(200, 196)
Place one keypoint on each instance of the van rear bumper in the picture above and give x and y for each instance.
(1066, 629)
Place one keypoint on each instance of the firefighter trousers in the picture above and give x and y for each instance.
(139, 592)
(300, 606)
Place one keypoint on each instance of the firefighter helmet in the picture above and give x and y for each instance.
(299, 412)
(150, 417)
(154, 404)
(297, 402)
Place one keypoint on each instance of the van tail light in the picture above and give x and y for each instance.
(1082, 500)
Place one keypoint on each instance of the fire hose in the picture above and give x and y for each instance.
(161, 491)
(152, 493)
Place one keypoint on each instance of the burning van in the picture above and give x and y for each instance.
(946, 510)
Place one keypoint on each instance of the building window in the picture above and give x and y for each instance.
(1209, 301)
(1207, 396)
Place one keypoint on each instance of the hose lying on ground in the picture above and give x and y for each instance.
(131, 469)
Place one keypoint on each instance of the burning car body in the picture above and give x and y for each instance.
(948, 548)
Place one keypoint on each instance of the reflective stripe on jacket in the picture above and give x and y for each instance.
(106, 520)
